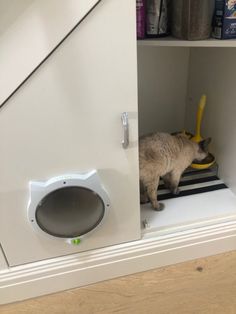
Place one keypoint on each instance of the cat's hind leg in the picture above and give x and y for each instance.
(151, 183)
(143, 193)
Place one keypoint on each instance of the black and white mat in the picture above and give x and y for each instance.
(194, 182)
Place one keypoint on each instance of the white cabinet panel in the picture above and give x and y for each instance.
(10, 11)
(67, 119)
(3, 263)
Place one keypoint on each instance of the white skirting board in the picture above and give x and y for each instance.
(49, 276)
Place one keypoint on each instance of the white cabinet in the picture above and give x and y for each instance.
(66, 120)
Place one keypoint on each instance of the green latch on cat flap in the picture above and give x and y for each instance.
(76, 241)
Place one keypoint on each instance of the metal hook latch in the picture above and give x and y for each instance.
(125, 123)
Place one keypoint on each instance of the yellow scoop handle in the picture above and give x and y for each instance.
(197, 138)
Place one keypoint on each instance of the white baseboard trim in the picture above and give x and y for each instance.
(54, 275)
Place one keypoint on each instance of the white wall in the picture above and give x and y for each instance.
(162, 79)
(212, 71)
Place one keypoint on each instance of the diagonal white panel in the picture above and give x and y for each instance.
(3, 263)
(32, 36)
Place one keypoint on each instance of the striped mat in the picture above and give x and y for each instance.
(194, 182)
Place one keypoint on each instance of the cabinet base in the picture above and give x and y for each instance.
(152, 251)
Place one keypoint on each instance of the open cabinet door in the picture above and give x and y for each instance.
(66, 121)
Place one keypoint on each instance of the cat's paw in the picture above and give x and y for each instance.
(159, 207)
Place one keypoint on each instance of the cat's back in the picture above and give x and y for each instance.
(155, 144)
(154, 138)
(166, 148)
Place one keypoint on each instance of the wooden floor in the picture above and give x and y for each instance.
(201, 286)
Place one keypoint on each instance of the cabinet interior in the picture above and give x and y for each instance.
(171, 81)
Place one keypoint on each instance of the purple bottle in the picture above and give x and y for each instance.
(140, 18)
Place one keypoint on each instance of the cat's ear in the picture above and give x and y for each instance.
(204, 144)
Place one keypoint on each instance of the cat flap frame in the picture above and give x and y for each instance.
(54, 204)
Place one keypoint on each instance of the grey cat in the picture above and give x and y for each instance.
(167, 156)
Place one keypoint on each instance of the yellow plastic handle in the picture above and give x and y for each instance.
(197, 138)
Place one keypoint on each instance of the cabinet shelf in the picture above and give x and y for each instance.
(173, 42)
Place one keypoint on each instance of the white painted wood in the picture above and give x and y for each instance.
(173, 42)
(3, 263)
(67, 119)
(33, 34)
(152, 251)
(162, 87)
(212, 72)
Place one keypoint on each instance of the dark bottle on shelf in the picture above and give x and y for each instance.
(192, 19)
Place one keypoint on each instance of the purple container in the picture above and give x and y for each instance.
(140, 18)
